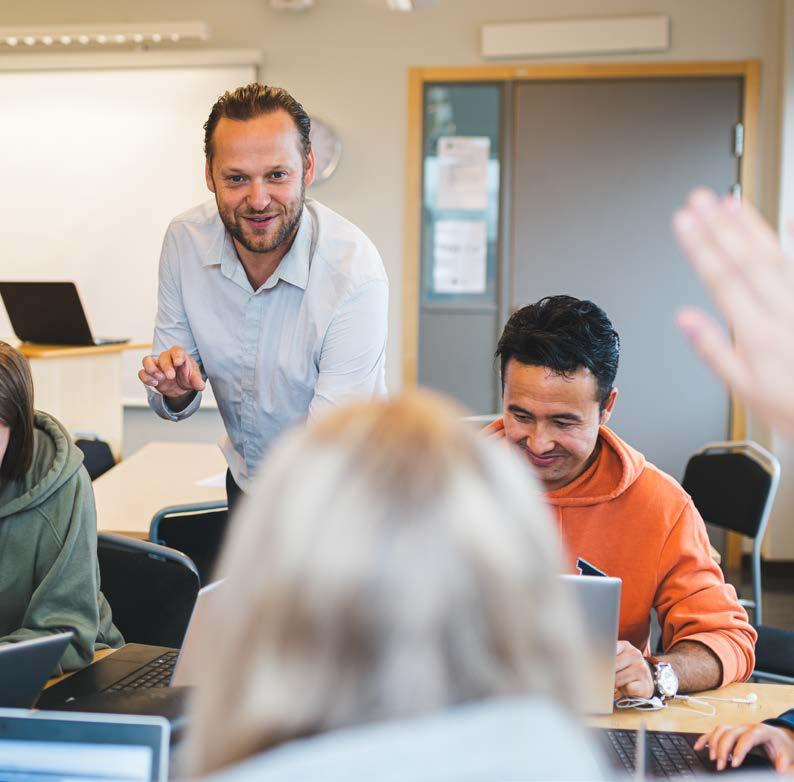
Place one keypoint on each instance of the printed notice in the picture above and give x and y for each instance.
(463, 172)
(459, 256)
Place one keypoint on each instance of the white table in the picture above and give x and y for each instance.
(158, 475)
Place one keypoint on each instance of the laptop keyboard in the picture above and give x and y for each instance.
(668, 755)
(157, 673)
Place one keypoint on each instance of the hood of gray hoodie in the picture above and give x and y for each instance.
(55, 460)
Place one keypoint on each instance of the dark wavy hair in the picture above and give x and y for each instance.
(253, 100)
(563, 333)
(16, 412)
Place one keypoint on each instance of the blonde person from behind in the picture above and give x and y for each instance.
(392, 611)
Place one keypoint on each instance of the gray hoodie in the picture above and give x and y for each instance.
(49, 576)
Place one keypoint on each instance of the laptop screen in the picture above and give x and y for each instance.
(82, 747)
(48, 760)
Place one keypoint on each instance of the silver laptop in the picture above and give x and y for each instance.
(598, 598)
(136, 668)
(76, 747)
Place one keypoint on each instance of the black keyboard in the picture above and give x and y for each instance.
(668, 754)
(157, 673)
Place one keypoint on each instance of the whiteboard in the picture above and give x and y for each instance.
(95, 164)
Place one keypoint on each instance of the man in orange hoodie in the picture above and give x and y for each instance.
(559, 358)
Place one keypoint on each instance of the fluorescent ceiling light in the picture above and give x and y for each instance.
(58, 36)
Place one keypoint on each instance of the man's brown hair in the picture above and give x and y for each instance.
(16, 412)
(253, 100)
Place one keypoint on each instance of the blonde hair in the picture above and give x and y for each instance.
(389, 562)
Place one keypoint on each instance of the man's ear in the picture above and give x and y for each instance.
(308, 169)
(208, 176)
(609, 405)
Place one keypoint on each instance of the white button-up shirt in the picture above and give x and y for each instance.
(313, 335)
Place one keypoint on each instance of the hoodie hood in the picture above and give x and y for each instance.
(55, 460)
(615, 468)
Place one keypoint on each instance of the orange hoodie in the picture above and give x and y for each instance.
(633, 521)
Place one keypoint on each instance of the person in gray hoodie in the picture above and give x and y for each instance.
(49, 575)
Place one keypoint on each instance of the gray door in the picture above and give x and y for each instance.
(599, 168)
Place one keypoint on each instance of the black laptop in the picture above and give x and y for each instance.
(49, 313)
(653, 754)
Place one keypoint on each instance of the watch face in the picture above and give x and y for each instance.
(327, 149)
(666, 680)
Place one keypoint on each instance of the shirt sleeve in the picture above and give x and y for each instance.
(785, 720)
(66, 594)
(695, 604)
(172, 327)
(353, 355)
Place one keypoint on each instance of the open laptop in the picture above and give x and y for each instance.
(78, 747)
(136, 667)
(25, 667)
(653, 754)
(49, 313)
(598, 598)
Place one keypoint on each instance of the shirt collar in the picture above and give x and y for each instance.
(294, 266)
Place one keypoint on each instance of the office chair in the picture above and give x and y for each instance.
(733, 485)
(197, 530)
(151, 589)
(774, 655)
(97, 456)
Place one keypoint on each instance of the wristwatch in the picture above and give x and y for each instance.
(665, 681)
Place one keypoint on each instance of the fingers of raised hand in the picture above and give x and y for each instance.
(495, 428)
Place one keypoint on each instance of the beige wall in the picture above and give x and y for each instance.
(347, 61)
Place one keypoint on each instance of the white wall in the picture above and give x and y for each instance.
(347, 61)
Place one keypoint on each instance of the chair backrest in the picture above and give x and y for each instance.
(197, 530)
(97, 456)
(733, 485)
(151, 589)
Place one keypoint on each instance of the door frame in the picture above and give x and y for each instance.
(748, 70)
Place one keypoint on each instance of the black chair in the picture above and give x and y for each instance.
(774, 655)
(151, 589)
(733, 485)
(97, 456)
(197, 529)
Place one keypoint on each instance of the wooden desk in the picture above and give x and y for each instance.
(773, 699)
(158, 475)
(81, 386)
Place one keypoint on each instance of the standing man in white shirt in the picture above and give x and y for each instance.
(276, 300)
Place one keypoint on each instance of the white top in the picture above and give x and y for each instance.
(485, 741)
(313, 335)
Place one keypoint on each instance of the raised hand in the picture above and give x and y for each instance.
(740, 260)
